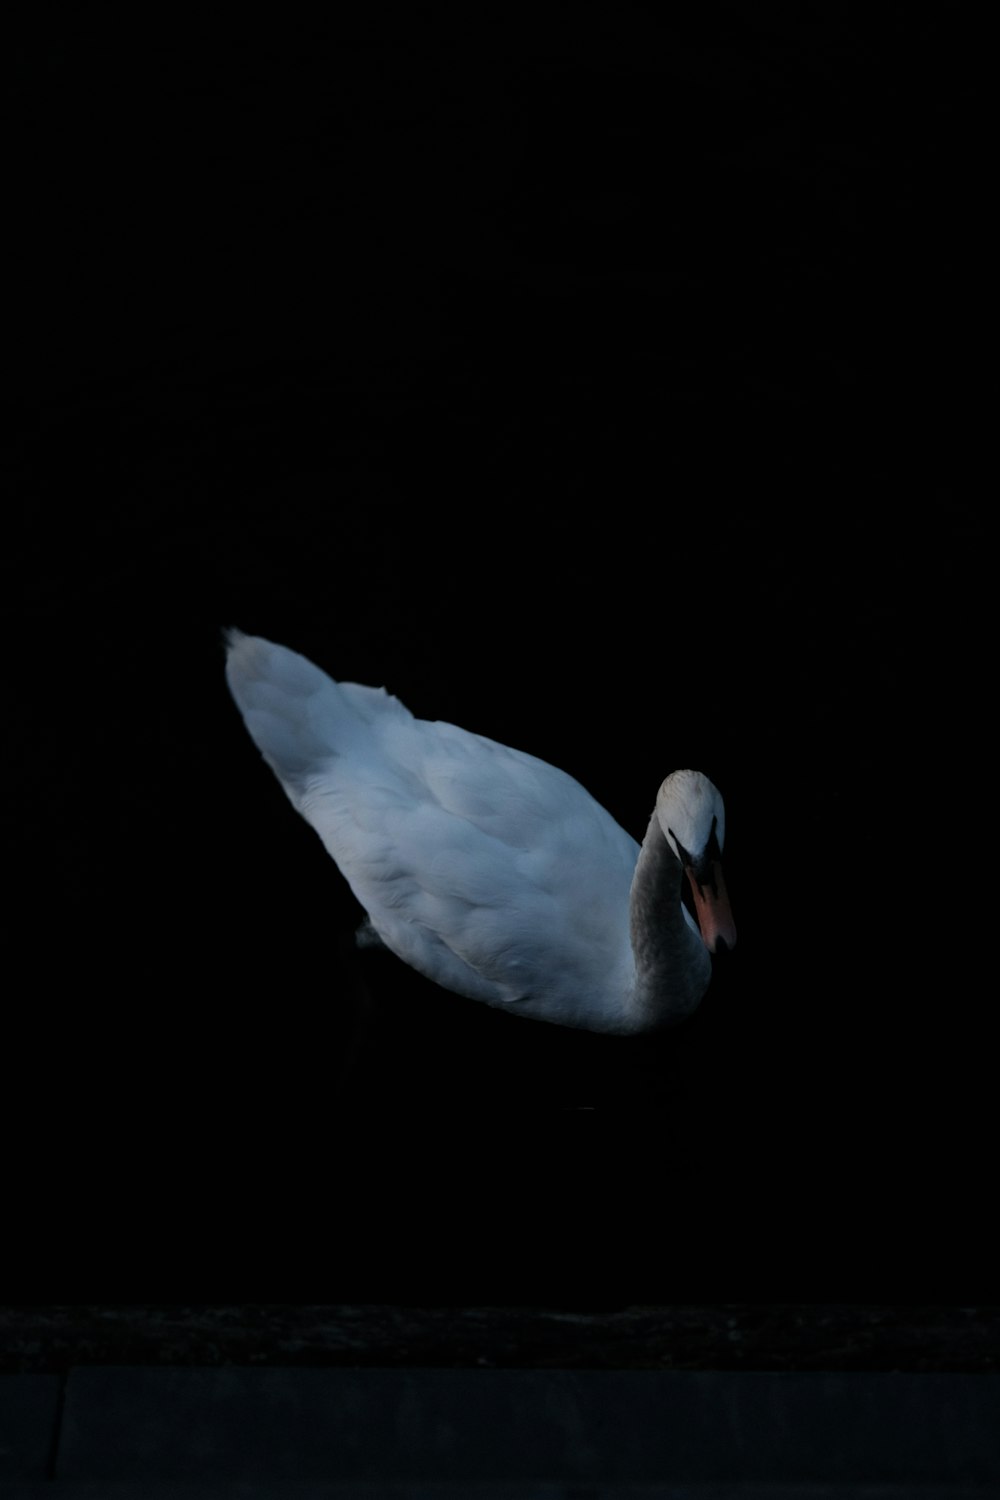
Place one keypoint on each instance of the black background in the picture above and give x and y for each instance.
(610, 385)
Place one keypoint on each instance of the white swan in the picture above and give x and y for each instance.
(489, 871)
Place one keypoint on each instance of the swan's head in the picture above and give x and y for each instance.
(690, 812)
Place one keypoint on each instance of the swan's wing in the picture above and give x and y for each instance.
(297, 716)
(483, 867)
(509, 864)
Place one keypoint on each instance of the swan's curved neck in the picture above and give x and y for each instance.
(672, 964)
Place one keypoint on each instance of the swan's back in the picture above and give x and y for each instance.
(490, 871)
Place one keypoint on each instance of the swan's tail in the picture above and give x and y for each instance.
(298, 717)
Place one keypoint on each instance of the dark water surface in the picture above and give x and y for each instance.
(611, 391)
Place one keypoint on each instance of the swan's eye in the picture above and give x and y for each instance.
(682, 854)
(711, 850)
(702, 868)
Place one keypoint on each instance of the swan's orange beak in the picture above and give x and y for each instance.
(711, 907)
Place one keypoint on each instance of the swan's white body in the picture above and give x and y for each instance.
(491, 872)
